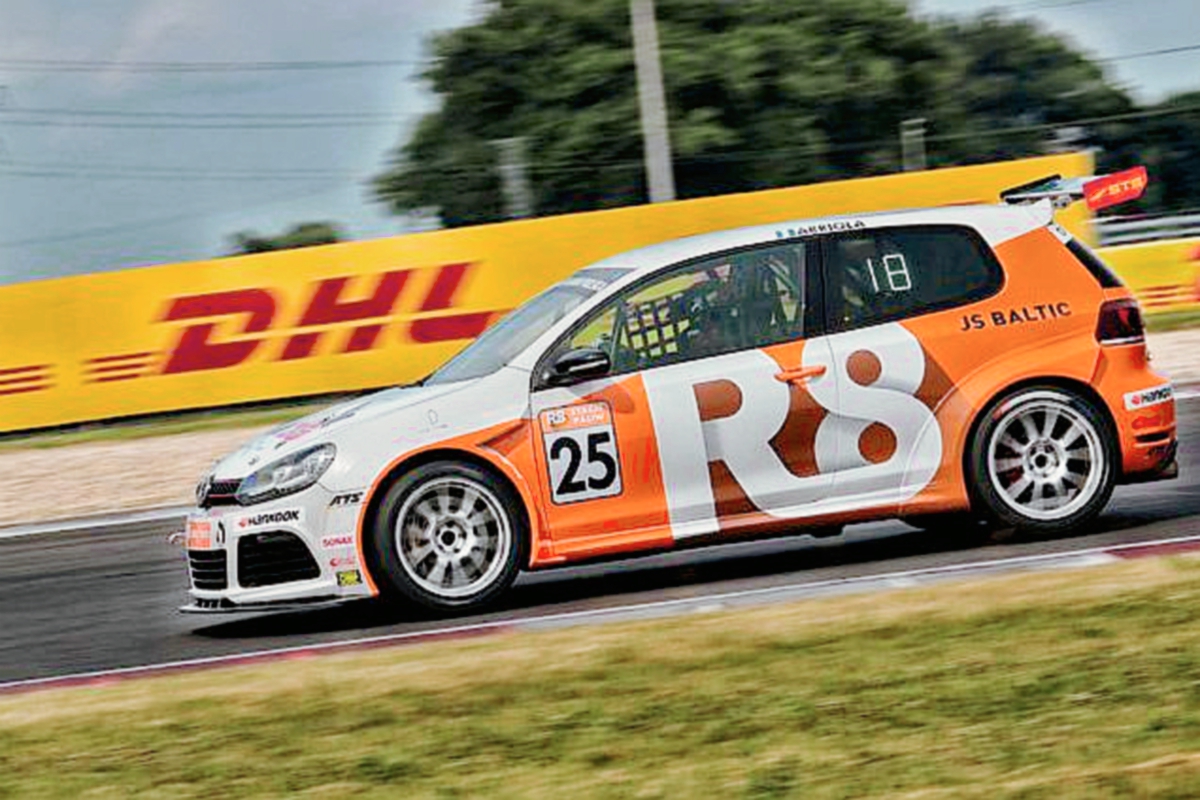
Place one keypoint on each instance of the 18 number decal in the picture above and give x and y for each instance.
(895, 274)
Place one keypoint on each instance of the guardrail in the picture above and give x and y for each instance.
(1129, 230)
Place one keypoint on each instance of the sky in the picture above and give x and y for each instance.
(189, 158)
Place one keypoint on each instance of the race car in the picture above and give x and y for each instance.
(773, 380)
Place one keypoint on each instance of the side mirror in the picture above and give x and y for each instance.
(576, 366)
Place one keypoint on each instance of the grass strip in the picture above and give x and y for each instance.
(168, 424)
(1063, 685)
(1172, 320)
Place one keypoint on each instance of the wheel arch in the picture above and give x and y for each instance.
(411, 461)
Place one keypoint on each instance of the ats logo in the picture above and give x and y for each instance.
(219, 330)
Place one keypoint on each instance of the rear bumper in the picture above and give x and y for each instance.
(1167, 469)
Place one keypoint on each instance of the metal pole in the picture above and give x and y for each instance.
(656, 141)
(514, 178)
(912, 144)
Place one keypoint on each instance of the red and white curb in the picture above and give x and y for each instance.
(1072, 559)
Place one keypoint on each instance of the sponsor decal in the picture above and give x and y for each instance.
(349, 578)
(835, 226)
(343, 561)
(348, 499)
(298, 430)
(737, 434)
(581, 452)
(199, 535)
(1146, 398)
(226, 329)
(1000, 318)
(1120, 187)
(330, 542)
(271, 518)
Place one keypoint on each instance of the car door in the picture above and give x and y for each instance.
(714, 405)
(891, 295)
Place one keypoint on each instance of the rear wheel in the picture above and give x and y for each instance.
(448, 536)
(1043, 460)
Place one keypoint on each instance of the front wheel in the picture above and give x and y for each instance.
(1043, 460)
(448, 536)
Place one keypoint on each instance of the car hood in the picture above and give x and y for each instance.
(327, 424)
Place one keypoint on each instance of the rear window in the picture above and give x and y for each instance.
(1100, 271)
(891, 273)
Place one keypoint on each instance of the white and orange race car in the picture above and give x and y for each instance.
(781, 379)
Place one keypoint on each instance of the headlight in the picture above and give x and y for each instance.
(287, 475)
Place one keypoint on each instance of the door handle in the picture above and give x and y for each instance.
(800, 375)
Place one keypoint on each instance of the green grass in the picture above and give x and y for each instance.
(1067, 685)
(168, 424)
(1173, 320)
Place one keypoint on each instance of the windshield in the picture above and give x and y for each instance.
(503, 341)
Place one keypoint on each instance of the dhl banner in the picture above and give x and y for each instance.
(373, 313)
(1165, 276)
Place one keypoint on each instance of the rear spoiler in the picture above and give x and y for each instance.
(1100, 191)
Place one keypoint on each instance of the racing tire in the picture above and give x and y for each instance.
(1043, 460)
(448, 536)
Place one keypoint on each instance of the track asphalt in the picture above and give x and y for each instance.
(89, 599)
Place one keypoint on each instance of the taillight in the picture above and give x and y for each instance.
(1120, 322)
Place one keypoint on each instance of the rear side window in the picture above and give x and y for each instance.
(1100, 271)
(891, 273)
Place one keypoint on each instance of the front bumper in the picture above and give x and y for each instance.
(294, 552)
(227, 607)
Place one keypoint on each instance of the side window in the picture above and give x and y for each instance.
(891, 273)
(722, 304)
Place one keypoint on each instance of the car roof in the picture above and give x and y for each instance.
(995, 223)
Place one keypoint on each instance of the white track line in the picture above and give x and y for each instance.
(1084, 557)
(95, 523)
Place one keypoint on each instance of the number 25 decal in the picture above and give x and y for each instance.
(581, 453)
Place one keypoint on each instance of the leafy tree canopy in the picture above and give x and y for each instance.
(305, 234)
(760, 93)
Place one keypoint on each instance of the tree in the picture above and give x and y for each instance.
(1167, 142)
(305, 234)
(760, 93)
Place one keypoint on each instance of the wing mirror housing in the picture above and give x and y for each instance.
(577, 366)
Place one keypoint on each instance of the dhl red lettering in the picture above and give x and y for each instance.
(445, 286)
(449, 329)
(327, 307)
(195, 350)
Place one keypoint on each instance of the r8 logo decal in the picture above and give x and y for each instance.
(735, 438)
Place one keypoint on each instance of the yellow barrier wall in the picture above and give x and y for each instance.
(1164, 275)
(368, 314)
